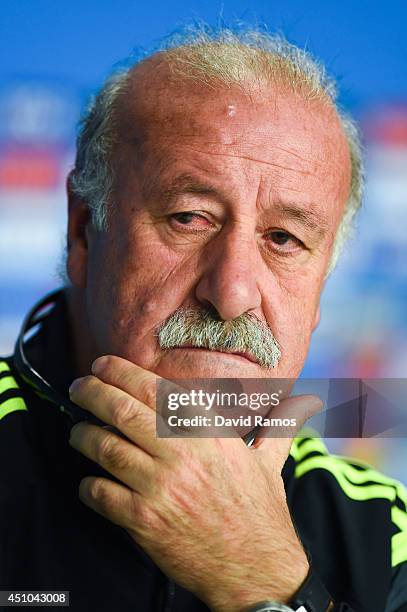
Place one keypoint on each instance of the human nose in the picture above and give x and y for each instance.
(229, 283)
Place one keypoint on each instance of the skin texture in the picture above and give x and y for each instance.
(210, 512)
(275, 152)
(246, 169)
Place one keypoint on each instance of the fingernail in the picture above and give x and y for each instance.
(74, 385)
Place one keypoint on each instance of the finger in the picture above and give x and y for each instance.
(288, 418)
(111, 500)
(142, 384)
(119, 409)
(190, 410)
(145, 386)
(128, 463)
(128, 377)
(298, 408)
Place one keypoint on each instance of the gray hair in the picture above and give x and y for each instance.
(203, 328)
(235, 58)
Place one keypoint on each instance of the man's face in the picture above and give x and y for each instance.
(220, 202)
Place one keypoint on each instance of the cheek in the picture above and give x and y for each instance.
(290, 308)
(134, 285)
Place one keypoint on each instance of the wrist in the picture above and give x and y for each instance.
(244, 592)
(312, 596)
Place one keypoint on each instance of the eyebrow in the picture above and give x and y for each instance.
(189, 184)
(308, 217)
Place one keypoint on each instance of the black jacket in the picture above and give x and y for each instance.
(351, 519)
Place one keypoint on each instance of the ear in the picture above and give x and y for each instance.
(317, 318)
(79, 220)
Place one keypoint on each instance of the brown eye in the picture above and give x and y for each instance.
(184, 217)
(190, 219)
(283, 242)
(280, 237)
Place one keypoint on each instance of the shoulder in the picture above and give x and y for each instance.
(353, 520)
(18, 448)
(359, 491)
(11, 390)
(18, 404)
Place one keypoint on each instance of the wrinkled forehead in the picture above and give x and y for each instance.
(160, 109)
(159, 99)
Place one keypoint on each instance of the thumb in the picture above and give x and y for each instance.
(286, 420)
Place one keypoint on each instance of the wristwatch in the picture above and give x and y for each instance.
(273, 606)
(312, 596)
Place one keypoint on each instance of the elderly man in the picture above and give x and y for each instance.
(214, 184)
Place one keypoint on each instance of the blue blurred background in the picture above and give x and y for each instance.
(53, 55)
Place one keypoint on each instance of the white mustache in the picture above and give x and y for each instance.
(204, 329)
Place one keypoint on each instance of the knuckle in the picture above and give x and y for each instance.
(148, 391)
(146, 518)
(99, 492)
(124, 376)
(111, 454)
(123, 411)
